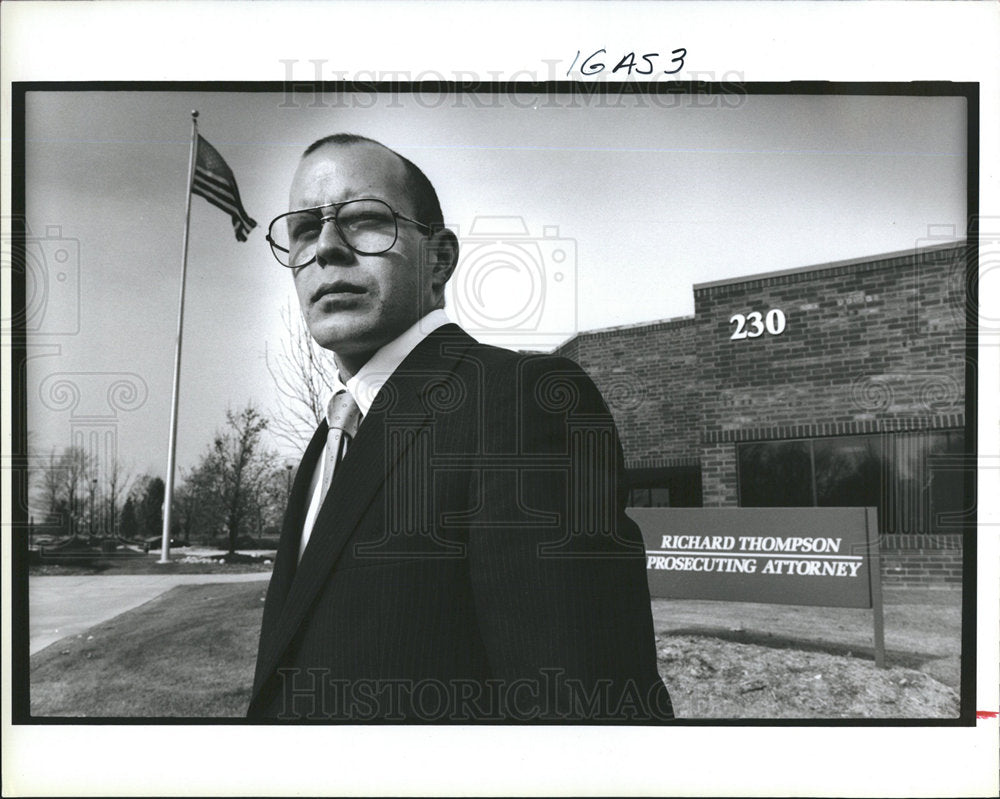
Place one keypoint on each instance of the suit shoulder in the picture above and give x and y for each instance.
(494, 357)
(552, 382)
(523, 362)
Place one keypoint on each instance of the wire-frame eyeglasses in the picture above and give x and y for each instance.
(367, 226)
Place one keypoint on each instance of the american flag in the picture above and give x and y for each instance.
(213, 180)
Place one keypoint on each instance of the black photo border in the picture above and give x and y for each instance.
(20, 683)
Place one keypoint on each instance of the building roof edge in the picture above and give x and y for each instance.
(870, 259)
(674, 321)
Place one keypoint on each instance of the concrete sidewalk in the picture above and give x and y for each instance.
(63, 606)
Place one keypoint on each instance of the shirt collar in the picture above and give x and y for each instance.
(366, 384)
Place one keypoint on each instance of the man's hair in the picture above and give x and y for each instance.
(421, 190)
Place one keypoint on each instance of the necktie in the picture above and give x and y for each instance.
(342, 417)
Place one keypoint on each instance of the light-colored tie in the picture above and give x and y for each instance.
(343, 417)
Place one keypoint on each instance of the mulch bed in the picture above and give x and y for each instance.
(713, 678)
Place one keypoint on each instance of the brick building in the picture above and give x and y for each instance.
(837, 384)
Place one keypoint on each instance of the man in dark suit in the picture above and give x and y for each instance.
(471, 559)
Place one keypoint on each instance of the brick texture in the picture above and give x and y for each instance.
(868, 346)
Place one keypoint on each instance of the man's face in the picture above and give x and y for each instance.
(354, 304)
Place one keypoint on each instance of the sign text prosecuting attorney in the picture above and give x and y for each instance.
(796, 556)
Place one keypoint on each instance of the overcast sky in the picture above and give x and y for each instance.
(595, 216)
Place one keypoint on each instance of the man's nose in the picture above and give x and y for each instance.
(331, 249)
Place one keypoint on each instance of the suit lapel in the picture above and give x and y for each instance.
(356, 482)
(286, 559)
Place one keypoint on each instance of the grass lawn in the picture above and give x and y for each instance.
(190, 653)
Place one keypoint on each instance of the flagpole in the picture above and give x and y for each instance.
(168, 495)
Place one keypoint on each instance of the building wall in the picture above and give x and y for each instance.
(921, 560)
(649, 377)
(868, 346)
(878, 340)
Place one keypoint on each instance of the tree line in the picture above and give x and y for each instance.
(233, 496)
(236, 492)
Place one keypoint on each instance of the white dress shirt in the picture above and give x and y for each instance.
(364, 387)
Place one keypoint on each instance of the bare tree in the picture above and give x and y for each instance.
(63, 483)
(304, 375)
(77, 466)
(273, 497)
(118, 478)
(51, 483)
(236, 466)
(198, 509)
(146, 496)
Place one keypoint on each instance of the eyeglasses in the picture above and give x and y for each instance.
(367, 226)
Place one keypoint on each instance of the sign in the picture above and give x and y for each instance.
(787, 556)
(790, 556)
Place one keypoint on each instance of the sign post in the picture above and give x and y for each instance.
(875, 567)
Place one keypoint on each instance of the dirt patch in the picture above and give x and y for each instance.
(922, 628)
(713, 678)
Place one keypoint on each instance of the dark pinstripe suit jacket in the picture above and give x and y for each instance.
(472, 560)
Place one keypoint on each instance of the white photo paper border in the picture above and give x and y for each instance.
(244, 41)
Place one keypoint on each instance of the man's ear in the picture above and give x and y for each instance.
(441, 256)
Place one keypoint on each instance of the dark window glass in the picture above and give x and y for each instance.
(925, 483)
(907, 507)
(947, 476)
(659, 497)
(638, 498)
(848, 471)
(665, 487)
(775, 474)
(915, 480)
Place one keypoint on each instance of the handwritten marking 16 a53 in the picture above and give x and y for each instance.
(590, 66)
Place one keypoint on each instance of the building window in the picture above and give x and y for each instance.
(848, 471)
(775, 474)
(893, 472)
(669, 487)
(649, 497)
